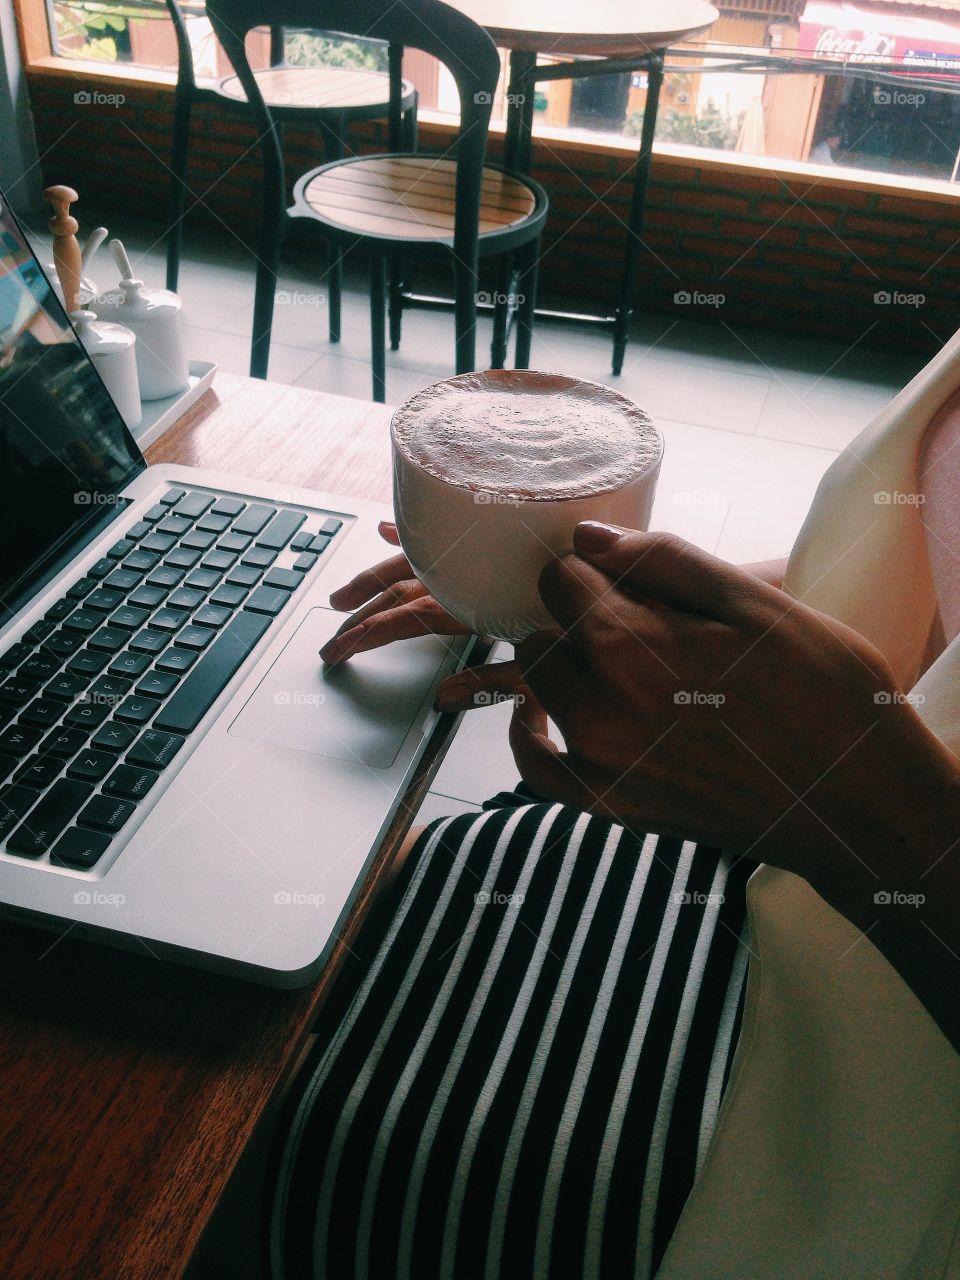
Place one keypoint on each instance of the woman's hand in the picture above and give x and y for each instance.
(696, 700)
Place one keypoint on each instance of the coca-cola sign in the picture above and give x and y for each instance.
(854, 46)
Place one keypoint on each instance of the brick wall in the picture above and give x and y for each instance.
(795, 254)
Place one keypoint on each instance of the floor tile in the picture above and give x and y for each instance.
(440, 806)
(232, 354)
(757, 535)
(826, 412)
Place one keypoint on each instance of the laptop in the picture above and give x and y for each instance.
(178, 773)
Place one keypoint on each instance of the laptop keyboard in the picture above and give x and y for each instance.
(98, 697)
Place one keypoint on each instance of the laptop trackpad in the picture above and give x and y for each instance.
(361, 710)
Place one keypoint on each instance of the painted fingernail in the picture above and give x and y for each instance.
(452, 694)
(592, 535)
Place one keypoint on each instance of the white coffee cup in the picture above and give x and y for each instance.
(479, 550)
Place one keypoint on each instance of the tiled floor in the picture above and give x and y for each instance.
(751, 419)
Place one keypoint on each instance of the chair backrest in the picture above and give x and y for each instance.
(464, 48)
(186, 71)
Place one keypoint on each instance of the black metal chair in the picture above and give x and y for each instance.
(397, 205)
(329, 98)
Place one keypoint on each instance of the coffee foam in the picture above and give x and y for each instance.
(534, 436)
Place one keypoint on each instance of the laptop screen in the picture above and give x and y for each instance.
(64, 449)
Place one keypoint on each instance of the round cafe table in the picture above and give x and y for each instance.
(606, 37)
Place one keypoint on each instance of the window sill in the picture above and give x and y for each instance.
(671, 155)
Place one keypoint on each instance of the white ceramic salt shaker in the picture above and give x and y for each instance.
(154, 316)
(112, 348)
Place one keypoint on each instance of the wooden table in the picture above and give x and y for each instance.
(130, 1086)
(609, 36)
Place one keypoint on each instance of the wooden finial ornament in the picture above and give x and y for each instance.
(66, 249)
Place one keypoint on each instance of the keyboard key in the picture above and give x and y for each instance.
(219, 560)
(177, 660)
(130, 781)
(123, 579)
(301, 541)
(230, 596)
(267, 600)
(81, 588)
(47, 820)
(155, 749)
(18, 739)
(281, 529)
(79, 848)
(16, 654)
(319, 544)
(141, 561)
(130, 664)
(6, 713)
(137, 709)
(104, 599)
(147, 597)
(110, 689)
(39, 666)
(234, 541)
(106, 813)
(39, 771)
(157, 684)
(203, 579)
(63, 742)
(259, 557)
(165, 577)
(200, 690)
(175, 525)
(331, 526)
(149, 641)
(286, 579)
(42, 714)
(59, 610)
(197, 538)
(186, 598)
(182, 558)
(39, 631)
(168, 619)
(101, 568)
(88, 714)
(88, 662)
(172, 497)
(244, 575)
(156, 512)
(305, 561)
(113, 736)
(211, 615)
(254, 519)
(228, 507)
(65, 686)
(212, 523)
(194, 504)
(109, 639)
(15, 802)
(129, 618)
(64, 643)
(83, 620)
(158, 542)
(19, 692)
(136, 531)
(121, 549)
(7, 765)
(195, 637)
(91, 765)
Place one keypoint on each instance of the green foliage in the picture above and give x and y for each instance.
(306, 50)
(84, 32)
(711, 128)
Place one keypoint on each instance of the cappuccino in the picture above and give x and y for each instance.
(492, 473)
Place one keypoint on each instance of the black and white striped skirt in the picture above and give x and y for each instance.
(523, 1078)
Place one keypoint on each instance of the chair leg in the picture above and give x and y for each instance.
(501, 311)
(272, 226)
(527, 289)
(397, 287)
(465, 316)
(334, 150)
(178, 172)
(409, 128)
(378, 302)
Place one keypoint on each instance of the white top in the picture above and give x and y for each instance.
(837, 1151)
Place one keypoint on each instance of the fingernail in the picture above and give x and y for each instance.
(340, 596)
(452, 694)
(592, 535)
